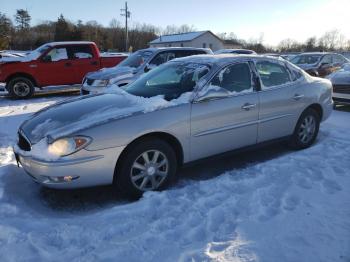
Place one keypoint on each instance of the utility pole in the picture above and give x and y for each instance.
(125, 12)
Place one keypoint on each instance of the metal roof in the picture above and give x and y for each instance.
(185, 37)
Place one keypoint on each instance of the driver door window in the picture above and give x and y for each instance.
(58, 54)
(235, 78)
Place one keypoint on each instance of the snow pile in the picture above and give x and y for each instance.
(292, 206)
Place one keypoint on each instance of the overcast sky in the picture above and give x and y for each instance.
(276, 19)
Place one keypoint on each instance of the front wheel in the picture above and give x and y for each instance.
(149, 165)
(20, 87)
(306, 129)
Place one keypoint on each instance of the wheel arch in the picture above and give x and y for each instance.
(21, 74)
(170, 139)
(317, 108)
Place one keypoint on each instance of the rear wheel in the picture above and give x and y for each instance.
(306, 129)
(20, 87)
(149, 165)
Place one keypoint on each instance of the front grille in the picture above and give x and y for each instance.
(23, 143)
(89, 81)
(343, 89)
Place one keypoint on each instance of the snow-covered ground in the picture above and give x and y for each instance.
(271, 204)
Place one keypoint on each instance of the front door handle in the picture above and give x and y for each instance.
(248, 106)
(297, 97)
(68, 64)
(94, 63)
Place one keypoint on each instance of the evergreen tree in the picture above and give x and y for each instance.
(62, 31)
(22, 19)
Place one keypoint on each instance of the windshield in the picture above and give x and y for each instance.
(170, 79)
(136, 59)
(305, 59)
(35, 54)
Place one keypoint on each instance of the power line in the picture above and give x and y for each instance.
(125, 12)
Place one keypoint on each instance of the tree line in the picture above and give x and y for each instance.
(19, 34)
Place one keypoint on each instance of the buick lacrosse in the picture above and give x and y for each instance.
(187, 109)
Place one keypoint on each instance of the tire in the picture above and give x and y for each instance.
(20, 88)
(135, 175)
(306, 129)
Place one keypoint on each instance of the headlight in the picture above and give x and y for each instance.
(103, 82)
(69, 145)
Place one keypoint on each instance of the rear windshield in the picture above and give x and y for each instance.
(305, 59)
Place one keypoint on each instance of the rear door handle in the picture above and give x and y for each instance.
(94, 63)
(248, 106)
(297, 97)
(68, 64)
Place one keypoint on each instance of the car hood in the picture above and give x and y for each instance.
(110, 73)
(72, 116)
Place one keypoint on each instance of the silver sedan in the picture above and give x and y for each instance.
(187, 109)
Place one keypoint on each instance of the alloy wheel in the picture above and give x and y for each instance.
(149, 170)
(307, 129)
(21, 89)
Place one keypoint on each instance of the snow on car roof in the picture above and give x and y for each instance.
(223, 58)
(71, 43)
(178, 37)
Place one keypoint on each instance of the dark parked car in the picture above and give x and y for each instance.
(318, 63)
(341, 85)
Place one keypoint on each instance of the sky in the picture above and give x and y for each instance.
(274, 19)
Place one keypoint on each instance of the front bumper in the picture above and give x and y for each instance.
(86, 168)
(341, 98)
(92, 90)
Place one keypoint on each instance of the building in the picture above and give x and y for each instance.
(201, 39)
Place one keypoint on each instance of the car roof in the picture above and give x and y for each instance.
(155, 49)
(71, 43)
(316, 53)
(225, 58)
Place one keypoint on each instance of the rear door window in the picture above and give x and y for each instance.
(80, 52)
(272, 74)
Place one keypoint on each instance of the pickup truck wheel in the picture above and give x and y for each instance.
(149, 165)
(306, 129)
(20, 87)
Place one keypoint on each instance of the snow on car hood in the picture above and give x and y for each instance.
(110, 73)
(33, 55)
(74, 115)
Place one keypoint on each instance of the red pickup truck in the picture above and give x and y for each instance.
(53, 64)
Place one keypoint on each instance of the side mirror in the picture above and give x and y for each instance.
(211, 93)
(149, 67)
(47, 58)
